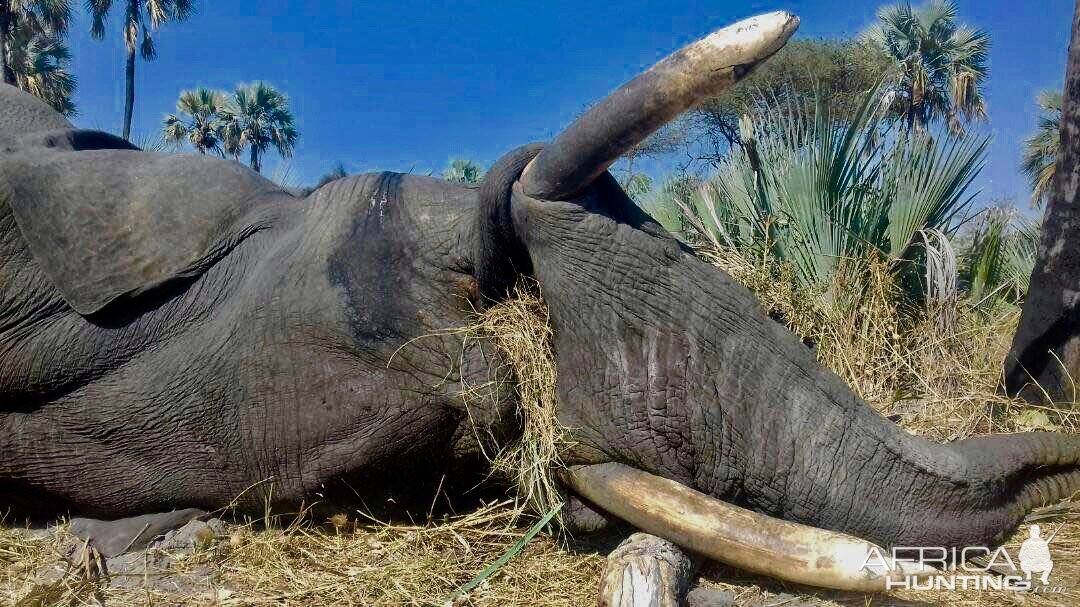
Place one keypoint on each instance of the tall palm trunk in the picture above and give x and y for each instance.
(5, 29)
(129, 92)
(256, 163)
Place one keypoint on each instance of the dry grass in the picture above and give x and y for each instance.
(519, 327)
(940, 378)
(355, 562)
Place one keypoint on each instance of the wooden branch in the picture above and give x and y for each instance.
(646, 571)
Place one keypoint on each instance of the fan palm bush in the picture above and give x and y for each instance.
(663, 203)
(842, 227)
(27, 18)
(816, 194)
(33, 52)
(41, 62)
(463, 171)
(997, 264)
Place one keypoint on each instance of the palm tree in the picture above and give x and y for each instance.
(940, 65)
(258, 117)
(40, 63)
(140, 18)
(27, 18)
(198, 120)
(1041, 149)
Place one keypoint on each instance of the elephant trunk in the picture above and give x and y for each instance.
(854, 471)
(1030, 470)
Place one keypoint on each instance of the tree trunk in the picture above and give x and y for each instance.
(129, 92)
(256, 165)
(1046, 348)
(5, 27)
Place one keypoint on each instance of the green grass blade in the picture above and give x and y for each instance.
(505, 558)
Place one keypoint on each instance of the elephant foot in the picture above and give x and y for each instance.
(112, 538)
(646, 570)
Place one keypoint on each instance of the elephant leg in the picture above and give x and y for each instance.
(112, 538)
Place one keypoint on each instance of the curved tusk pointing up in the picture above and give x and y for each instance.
(737, 536)
(626, 117)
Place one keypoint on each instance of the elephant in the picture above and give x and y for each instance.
(176, 329)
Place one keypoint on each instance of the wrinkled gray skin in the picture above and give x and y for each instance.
(248, 334)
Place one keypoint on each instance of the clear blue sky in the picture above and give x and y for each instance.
(406, 85)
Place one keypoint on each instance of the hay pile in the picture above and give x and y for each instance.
(352, 560)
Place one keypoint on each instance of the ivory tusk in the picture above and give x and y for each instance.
(737, 536)
(638, 108)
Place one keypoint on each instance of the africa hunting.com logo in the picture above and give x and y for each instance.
(972, 567)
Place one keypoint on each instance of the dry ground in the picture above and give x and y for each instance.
(371, 564)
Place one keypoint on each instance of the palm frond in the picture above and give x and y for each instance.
(41, 63)
(158, 10)
(816, 193)
(99, 14)
(929, 183)
(146, 47)
(1039, 159)
(183, 9)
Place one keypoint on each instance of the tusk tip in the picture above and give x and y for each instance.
(759, 36)
(638, 108)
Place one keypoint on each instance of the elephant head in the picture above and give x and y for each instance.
(668, 370)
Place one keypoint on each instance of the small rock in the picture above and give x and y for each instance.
(710, 597)
(203, 538)
(195, 534)
(131, 569)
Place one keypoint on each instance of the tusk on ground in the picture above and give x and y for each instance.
(737, 536)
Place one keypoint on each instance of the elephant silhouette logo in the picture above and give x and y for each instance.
(1035, 555)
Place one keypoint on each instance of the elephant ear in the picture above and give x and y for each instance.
(21, 114)
(109, 223)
